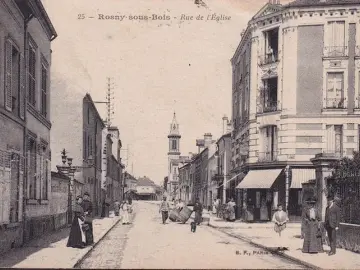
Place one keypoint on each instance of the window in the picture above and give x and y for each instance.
(14, 189)
(174, 145)
(32, 169)
(44, 78)
(268, 95)
(269, 144)
(334, 139)
(271, 46)
(13, 84)
(45, 176)
(335, 90)
(32, 73)
(336, 39)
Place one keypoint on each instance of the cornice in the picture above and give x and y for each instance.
(38, 116)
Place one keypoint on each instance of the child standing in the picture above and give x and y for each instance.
(280, 219)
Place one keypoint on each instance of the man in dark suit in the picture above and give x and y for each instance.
(332, 221)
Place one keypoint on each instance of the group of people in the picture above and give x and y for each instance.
(229, 210)
(126, 210)
(313, 228)
(165, 208)
(81, 232)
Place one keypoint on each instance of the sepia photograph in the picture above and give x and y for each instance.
(180, 134)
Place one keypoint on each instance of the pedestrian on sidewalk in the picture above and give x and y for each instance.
(312, 229)
(214, 207)
(280, 218)
(332, 221)
(218, 205)
(88, 209)
(117, 208)
(164, 210)
(77, 237)
(231, 210)
(125, 213)
(198, 209)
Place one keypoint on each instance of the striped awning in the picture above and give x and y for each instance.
(259, 179)
(300, 176)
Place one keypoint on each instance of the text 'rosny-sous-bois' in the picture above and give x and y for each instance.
(156, 17)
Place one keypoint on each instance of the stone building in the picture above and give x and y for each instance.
(295, 94)
(26, 33)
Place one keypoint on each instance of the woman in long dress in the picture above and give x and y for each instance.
(280, 218)
(77, 237)
(231, 209)
(125, 213)
(312, 229)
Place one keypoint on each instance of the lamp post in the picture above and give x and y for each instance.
(69, 170)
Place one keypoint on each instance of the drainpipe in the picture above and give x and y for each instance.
(287, 187)
(225, 172)
(25, 173)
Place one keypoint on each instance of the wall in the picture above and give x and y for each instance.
(348, 237)
(310, 69)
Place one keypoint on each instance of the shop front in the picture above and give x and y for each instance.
(261, 190)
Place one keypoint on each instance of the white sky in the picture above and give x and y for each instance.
(158, 67)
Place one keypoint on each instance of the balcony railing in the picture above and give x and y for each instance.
(335, 51)
(335, 103)
(268, 59)
(268, 156)
(268, 106)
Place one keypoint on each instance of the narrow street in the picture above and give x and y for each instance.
(147, 243)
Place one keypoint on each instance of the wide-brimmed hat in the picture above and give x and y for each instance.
(86, 194)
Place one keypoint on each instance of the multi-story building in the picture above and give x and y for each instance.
(26, 33)
(130, 184)
(184, 182)
(295, 94)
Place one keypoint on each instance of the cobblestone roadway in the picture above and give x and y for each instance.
(149, 244)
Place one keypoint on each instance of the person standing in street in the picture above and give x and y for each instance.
(231, 208)
(312, 229)
(117, 208)
(332, 221)
(280, 219)
(125, 213)
(198, 208)
(88, 209)
(164, 210)
(77, 236)
(215, 207)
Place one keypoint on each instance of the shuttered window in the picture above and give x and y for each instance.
(8, 75)
(32, 74)
(44, 85)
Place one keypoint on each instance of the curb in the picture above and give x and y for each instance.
(281, 254)
(80, 260)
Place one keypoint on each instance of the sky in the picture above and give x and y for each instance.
(157, 67)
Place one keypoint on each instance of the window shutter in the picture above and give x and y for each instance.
(48, 168)
(22, 87)
(8, 75)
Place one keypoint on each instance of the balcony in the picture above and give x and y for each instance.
(268, 59)
(335, 51)
(269, 156)
(335, 103)
(268, 106)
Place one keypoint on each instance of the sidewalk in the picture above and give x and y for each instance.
(50, 251)
(263, 235)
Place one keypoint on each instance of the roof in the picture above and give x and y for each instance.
(144, 181)
(306, 3)
(223, 136)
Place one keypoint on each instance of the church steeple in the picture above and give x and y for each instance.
(174, 127)
(174, 137)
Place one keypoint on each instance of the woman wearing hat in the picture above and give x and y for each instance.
(77, 232)
(88, 209)
(312, 229)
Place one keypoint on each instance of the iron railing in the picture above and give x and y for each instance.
(268, 59)
(335, 51)
(268, 106)
(335, 103)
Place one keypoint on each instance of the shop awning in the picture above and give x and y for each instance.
(300, 176)
(259, 179)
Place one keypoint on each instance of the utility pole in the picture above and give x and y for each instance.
(109, 102)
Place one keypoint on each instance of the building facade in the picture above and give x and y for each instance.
(295, 94)
(26, 33)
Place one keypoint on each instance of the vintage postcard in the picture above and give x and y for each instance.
(180, 134)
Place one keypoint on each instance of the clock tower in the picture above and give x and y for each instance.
(173, 157)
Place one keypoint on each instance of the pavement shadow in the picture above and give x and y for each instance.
(17, 255)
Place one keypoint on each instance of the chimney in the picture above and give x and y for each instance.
(225, 122)
(207, 139)
(228, 127)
